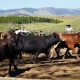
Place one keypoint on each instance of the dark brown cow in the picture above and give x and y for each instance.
(7, 49)
(71, 40)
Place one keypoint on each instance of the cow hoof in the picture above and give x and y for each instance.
(51, 62)
(34, 62)
(16, 68)
(9, 72)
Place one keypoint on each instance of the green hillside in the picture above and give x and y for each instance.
(47, 27)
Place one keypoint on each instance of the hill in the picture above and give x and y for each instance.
(41, 11)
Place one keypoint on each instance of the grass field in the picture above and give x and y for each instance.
(47, 27)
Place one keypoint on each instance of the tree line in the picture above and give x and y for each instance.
(29, 19)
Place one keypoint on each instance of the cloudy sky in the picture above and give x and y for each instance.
(13, 4)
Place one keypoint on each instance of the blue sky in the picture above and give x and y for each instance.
(13, 4)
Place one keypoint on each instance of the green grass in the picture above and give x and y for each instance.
(7, 26)
(47, 27)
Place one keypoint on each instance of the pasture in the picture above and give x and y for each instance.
(46, 27)
(68, 69)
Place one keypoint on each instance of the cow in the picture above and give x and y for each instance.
(69, 41)
(37, 44)
(8, 49)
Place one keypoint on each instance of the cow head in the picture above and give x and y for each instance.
(5, 35)
(56, 35)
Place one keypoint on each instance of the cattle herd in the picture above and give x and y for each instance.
(12, 44)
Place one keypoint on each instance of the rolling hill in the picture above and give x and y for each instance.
(41, 11)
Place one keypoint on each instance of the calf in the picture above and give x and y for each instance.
(37, 44)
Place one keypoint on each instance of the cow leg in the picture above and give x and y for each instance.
(20, 55)
(10, 64)
(35, 57)
(48, 56)
(65, 53)
(73, 49)
(57, 51)
(31, 57)
(15, 67)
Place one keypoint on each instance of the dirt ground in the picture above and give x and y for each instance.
(67, 69)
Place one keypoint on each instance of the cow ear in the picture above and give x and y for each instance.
(55, 35)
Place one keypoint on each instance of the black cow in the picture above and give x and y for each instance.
(36, 44)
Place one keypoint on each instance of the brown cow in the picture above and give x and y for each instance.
(71, 40)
